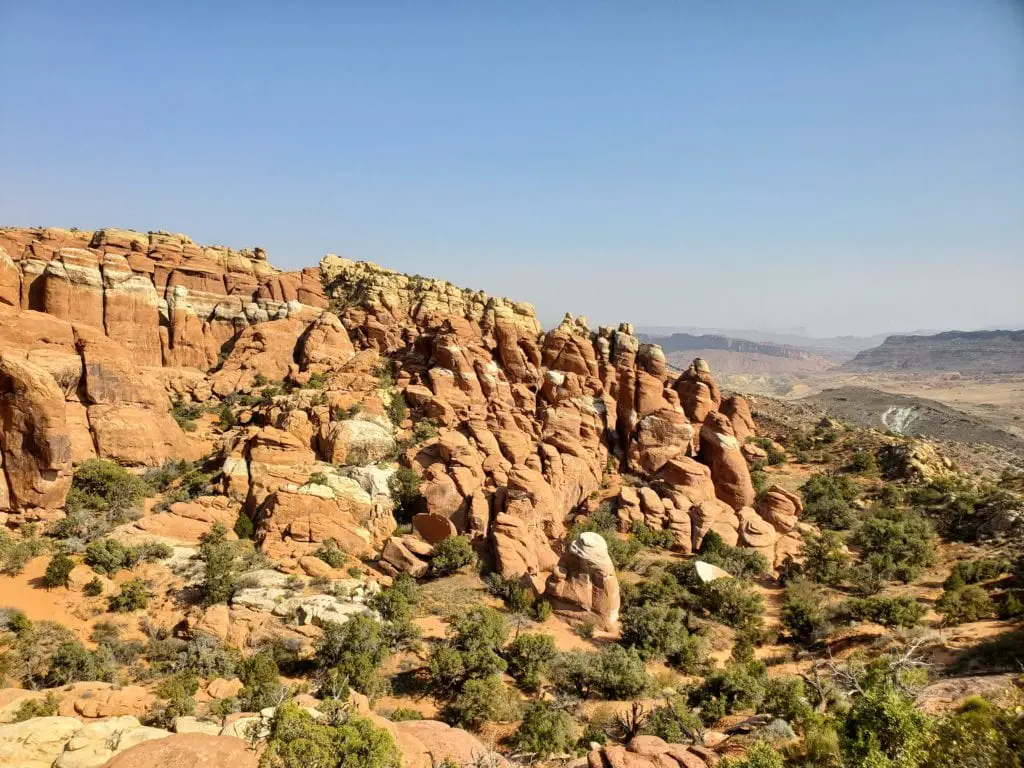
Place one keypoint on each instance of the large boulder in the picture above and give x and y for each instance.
(188, 750)
(585, 578)
(720, 450)
(34, 443)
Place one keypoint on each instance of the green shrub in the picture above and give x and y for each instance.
(737, 687)
(658, 631)
(544, 731)
(741, 563)
(472, 650)
(804, 612)
(404, 714)
(674, 722)
(58, 571)
(649, 537)
(423, 430)
(94, 588)
(355, 650)
(396, 408)
(134, 596)
(978, 734)
(484, 700)
(261, 681)
(611, 673)
(902, 541)
(888, 611)
(331, 553)
(297, 740)
(450, 555)
(70, 663)
(404, 485)
(827, 501)
(220, 566)
(518, 597)
(970, 603)
(825, 558)
(862, 461)
(732, 602)
(244, 527)
(785, 697)
(975, 571)
(529, 656)
(176, 698)
(761, 754)
(185, 413)
(15, 553)
(108, 556)
(30, 708)
(883, 728)
(103, 485)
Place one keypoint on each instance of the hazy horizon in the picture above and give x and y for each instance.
(845, 169)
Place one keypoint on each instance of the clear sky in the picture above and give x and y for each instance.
(848, 167)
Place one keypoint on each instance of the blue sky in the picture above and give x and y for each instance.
(844, 167)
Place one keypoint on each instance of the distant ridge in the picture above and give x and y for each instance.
(993, 352)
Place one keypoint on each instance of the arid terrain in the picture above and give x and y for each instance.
(348, 516)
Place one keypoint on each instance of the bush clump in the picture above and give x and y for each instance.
(133, 596)
(450, 555)
(899, 543)
(611, 673)
(545, 730)
(966, 604)
(529, 657)
(354, 651)
(472, 650)
(297, 740)
(484, 700)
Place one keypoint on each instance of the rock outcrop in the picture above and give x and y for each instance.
(585, 579)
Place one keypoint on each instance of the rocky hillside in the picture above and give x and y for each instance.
(978, 352)
(238, 508)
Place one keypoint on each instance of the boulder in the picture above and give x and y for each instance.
(188, 750)
(585, 578)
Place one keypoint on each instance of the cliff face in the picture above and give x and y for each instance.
(963, 351)
(328, 377)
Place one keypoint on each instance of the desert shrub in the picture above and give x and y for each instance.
(975, 571)
(759, 480)
(888, 611)
(732, 602)
(970, 603)
(648, 537)
(404, 485)
(15, 553)
(674, 722)
(827, 501)
(740, 562)
(94, 588)
(979, 735)
(244, 527)
(261, 682)
(133, 596)
(297, 740)
(901, 541)
(450, 555)
(804, 612)
(396, 408)
(331, 553)
(785, 697)
(30, 708)
(72, 662)
(529, 656)
(483, 700)
(544, 731)
(186, 413)
(658, 631)
(108, 556)
(220, 565)
(423, 430)
(862, 461)
(825, 558)
(58, 571)
(761, 754)
(1012, 605)
(738, 686)
(472, 650)
(355, 650)
(518, 597)
(183, 481)
(176, 698)
(102, 485)
(404, 714)
(611, 673)
(883, 728)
